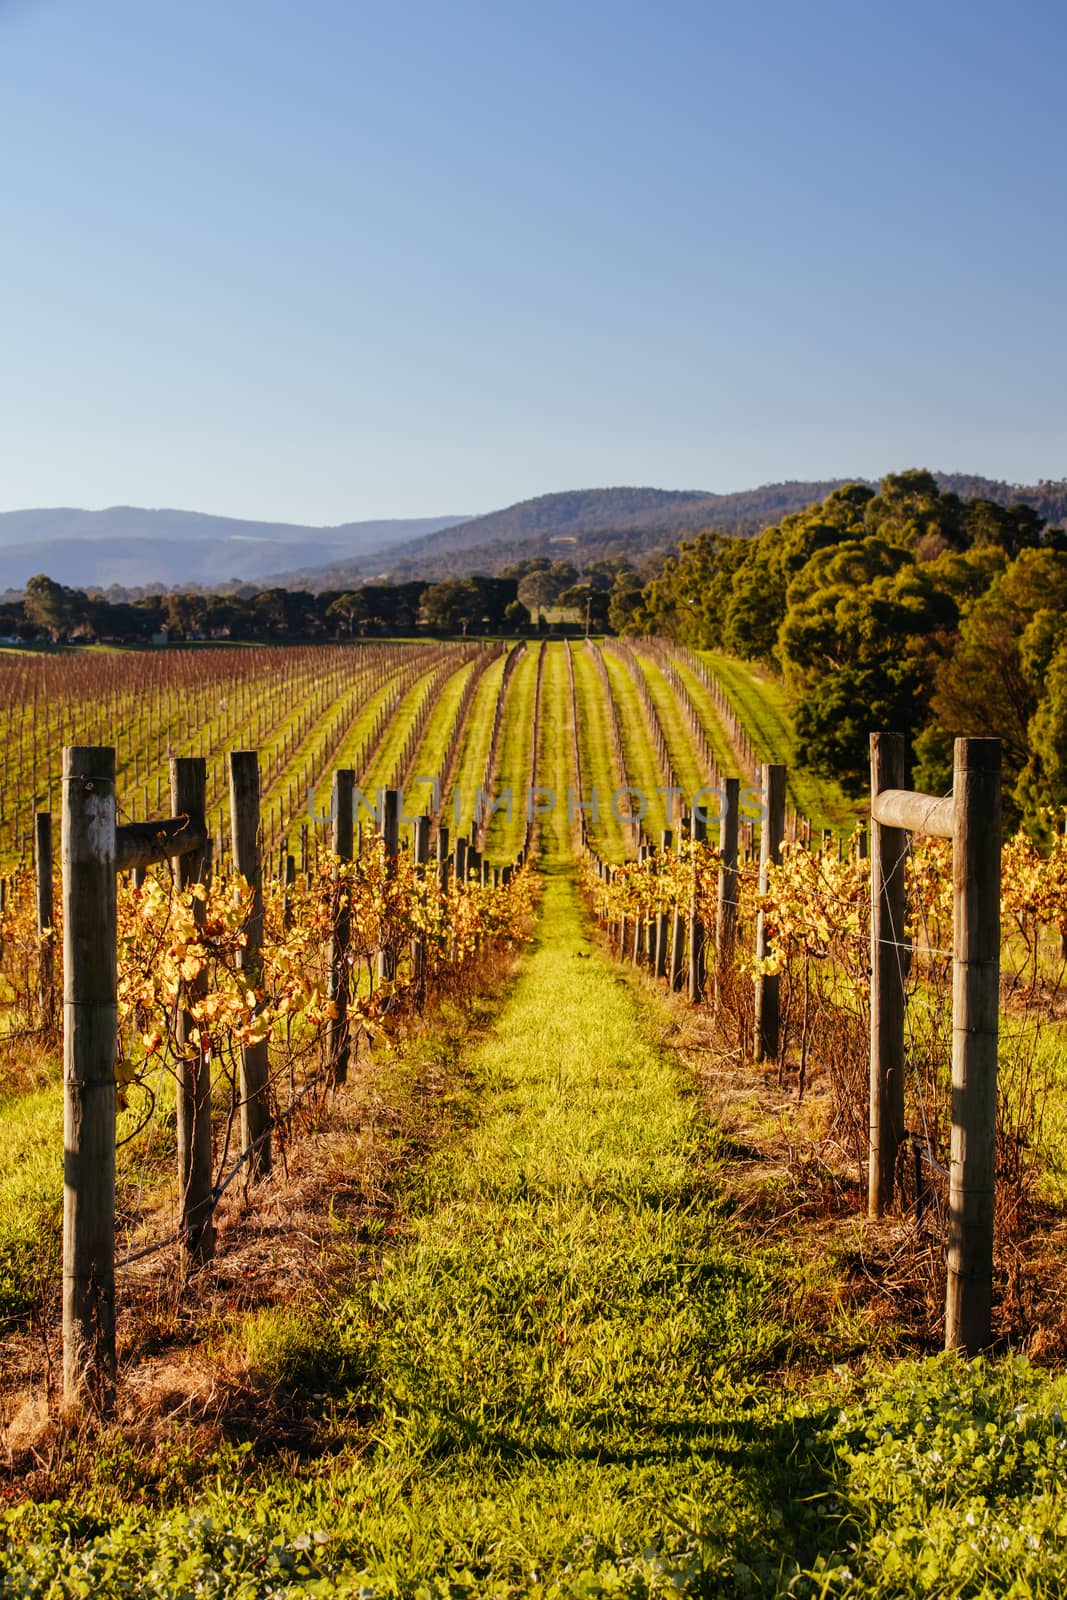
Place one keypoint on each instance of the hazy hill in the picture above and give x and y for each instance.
(626, 521)
(630, 521)
(133, 547)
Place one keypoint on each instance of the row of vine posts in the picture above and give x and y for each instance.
(971, 818)
(95, 850)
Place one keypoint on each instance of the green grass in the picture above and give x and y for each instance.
(762, 705)
(725, 755)
(431, 752)
(504, 837)
(474, 749)
(31, 1198)
(642, 766)
(599, 771)
(684, 760)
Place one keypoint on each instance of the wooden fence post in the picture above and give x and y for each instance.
(975, 1022)
(888, 920)
(772, 830)
(390, 824)
(726, 898)
(46, 949)
(696, 927)
(287, 897)
(188, 795)
(661, 927)
(344, 785)
(90, 1042)
(444, 861)
(677, 948)
(420, 839)
(255, 1065)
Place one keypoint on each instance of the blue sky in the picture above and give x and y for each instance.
(330, 261)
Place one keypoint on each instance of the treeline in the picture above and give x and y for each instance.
(906, 608)
(522, 598)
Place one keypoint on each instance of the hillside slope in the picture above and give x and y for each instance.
(134, 546)
(620, 521)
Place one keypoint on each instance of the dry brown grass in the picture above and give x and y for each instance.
(792, 1177)
(296, 1242)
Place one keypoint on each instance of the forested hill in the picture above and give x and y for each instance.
(619, 521)
(630, 522)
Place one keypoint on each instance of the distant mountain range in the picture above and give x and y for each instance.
(133, 548)
(589, 523)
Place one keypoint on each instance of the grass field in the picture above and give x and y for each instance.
(762, 705)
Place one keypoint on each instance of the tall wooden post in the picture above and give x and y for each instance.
(444, 861)
(696, 927)
(255, 1066)
(677, 947)
(662, 923)
(975, 1006)
(187, 783)
(772, 831)
(90, 1042)
(421, 846)
(188, 796)
(344, 785)
(390, 803)
(726, 899)
(46, 950)
(888, 919)
(287, 897)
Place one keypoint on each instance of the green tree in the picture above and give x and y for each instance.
(348, 611)
(50, 607)
(453, 606)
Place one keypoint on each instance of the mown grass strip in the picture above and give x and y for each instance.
(721, 748)
(470, 767)
(599, 773)
(504, 835)
(684, 759)
(641, 765)
(763, 707)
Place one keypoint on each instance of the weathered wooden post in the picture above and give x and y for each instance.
(287, 897)
(90, 1043)
(889, 848)
(972, 820)
(255, 1065)
(677, 948)
(188, 796)
(390, 825)
(726, 899)
(696, 927)
(662, 922)
(421, 847)
(975, 1032)
(772, 831)
(46, 950)
(344, 785)
(444, 861)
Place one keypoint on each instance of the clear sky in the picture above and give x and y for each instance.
(331, 260)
